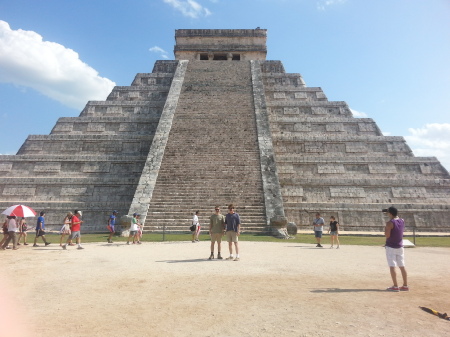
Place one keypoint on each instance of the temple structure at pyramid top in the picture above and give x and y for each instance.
(220, 44)
(220, 124)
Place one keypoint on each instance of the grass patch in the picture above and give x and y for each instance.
(369, 240)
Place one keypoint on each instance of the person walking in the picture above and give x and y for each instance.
(318, 229)
(334, 231)
(216, 231)
(134, 229)
(233, 230)
(40, 229)
(12, 228)
(395, 253)
(196, 223)
(23, 228)
(111, 224)
(65, 230)
(5, 231)
(75, 227)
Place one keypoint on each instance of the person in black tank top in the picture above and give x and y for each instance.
(334, 231)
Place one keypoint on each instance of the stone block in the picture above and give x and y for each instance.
(382, 168)
(291, 111)
(409, 192)
(19, 191)
(330, 169)
(334, 127)
(292, 228)
(5, 167)
(300, 127)
(96, 167)
(319, 110)
(347, 192)
(300, 95)
(356, 147)
(96, 127)
(47, 167)
(320, 95)
(66, 191)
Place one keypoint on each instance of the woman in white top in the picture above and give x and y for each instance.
(195, 222)
(12, 228)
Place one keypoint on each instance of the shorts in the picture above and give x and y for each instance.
(395, 256)
(232, 236)
(334, 233)
(39, 232)
(318, 234)
(111, 229)
(74, 235)
(216, 237)
(133, 233)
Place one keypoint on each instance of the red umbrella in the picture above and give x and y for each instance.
(19, 210)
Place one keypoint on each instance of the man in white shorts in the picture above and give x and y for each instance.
(395, 254)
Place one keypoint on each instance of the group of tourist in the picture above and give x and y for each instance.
(333, 230)
(230, 226)
(136, 228)
(220, 225)
(14, 231)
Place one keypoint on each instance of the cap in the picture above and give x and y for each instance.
(136, 214)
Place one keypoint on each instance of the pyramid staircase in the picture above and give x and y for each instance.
(212, 155)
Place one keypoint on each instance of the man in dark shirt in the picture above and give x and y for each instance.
(233, 230)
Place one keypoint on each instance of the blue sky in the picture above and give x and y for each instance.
(388, 59)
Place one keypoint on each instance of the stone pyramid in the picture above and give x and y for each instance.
(221, 125)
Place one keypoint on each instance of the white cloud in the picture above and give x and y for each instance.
(358, 114)
(48, 67)
(433, 140)
(323, 4)
(189, 8)
(160, 51)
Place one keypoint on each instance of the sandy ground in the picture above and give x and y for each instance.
(171, 289)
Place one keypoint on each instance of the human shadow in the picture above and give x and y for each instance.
(340, 290)
(305, 247)
(184, 261)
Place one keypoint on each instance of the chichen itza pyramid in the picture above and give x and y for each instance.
(218, 125)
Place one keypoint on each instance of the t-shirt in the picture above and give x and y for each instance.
(134, 226)
(318, 222)
(217, 221)
(75, 224)
(12, 225)
(396, 238)
(40, 223)
(195, 220)
(232, 221)
(112, 220)
(333, 226)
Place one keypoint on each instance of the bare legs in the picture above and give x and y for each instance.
(394, 276)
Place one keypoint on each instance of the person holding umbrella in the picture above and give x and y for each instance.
(12, 212)
(40, 227)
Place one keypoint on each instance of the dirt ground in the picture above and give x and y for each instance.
(171, 289)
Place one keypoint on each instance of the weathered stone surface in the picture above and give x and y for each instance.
(218, 125)
(292, 228)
